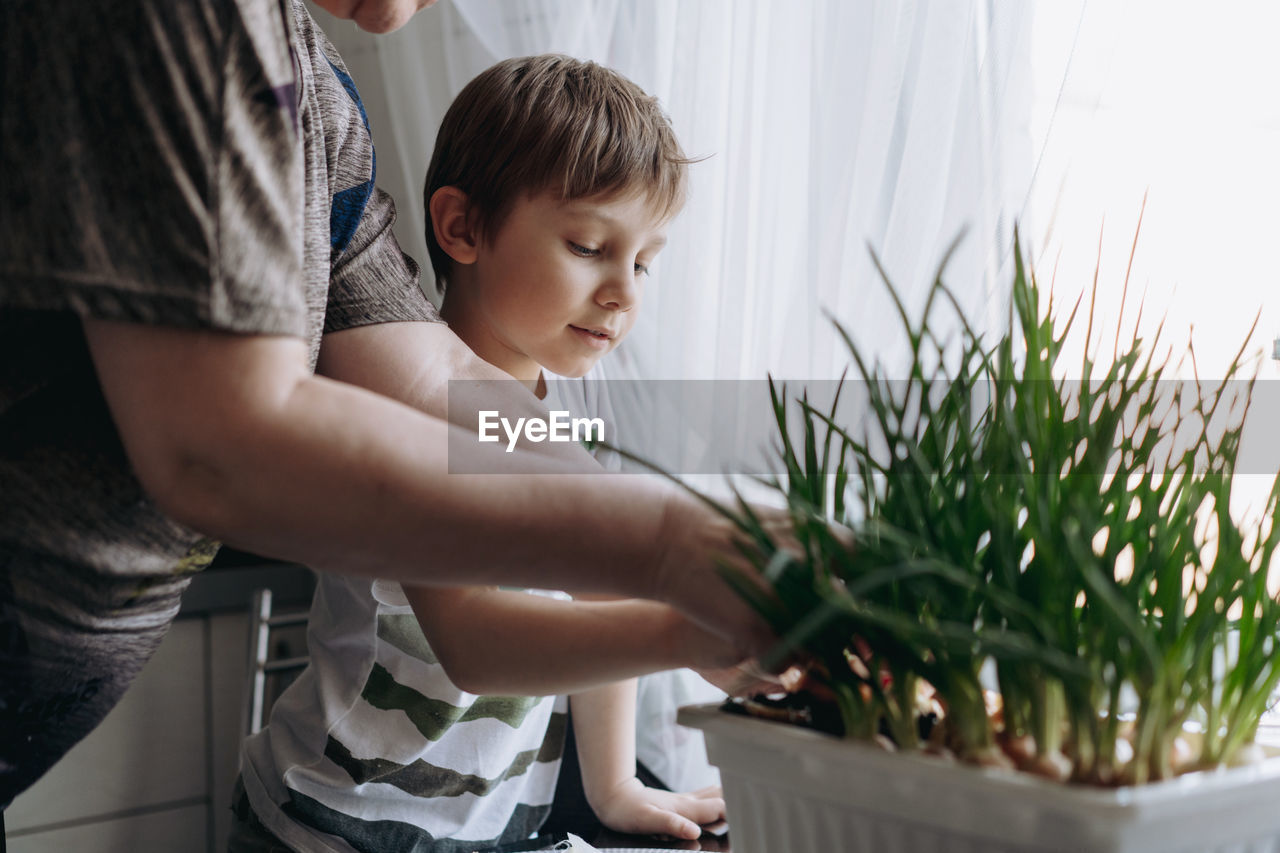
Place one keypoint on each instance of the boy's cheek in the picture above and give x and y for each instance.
(626, 327)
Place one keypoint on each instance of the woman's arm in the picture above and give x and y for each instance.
(232, 435)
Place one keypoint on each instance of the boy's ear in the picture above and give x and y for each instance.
(449, 208)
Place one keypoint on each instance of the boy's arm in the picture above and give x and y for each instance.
(604, 721)
(506, 642)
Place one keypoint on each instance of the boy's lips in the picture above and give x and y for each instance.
(595, 336)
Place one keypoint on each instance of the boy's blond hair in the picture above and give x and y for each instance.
(551, 123)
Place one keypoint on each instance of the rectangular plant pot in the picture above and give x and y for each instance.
(792, 790)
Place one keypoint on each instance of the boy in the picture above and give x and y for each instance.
(416, 726)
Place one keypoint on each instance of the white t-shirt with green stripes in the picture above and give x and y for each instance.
(374, 748)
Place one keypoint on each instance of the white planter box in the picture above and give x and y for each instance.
(792, 790)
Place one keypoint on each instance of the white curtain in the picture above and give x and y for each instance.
(829, 127)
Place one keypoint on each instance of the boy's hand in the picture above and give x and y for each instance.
(635, 809)
(748, 679)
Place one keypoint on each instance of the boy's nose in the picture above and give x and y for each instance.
(619, 293)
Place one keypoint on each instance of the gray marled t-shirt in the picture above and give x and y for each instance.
(189, 163)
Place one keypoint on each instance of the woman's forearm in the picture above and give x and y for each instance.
(276, 461)
(391, 508)
(234, 437)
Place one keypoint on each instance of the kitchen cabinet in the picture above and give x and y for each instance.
(156, 775)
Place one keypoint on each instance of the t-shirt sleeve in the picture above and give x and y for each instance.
(152, 164)
(373, 280)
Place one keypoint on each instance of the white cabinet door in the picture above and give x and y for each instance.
(181, 830)
(149, 756)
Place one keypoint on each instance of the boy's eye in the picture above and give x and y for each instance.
(582, 251)
(642, 269)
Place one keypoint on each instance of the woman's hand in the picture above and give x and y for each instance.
(697, 543)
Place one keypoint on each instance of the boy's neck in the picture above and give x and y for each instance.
(476, 335)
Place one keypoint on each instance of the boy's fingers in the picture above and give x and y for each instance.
(792, 677)
(703, 806)
(684, 828)
(657, 820)
(754, 676)
(678, 816)
(747, 678)
(688, 826)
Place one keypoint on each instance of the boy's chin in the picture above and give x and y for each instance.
(571, 373)
(572, 370)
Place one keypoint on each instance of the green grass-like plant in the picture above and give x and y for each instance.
(1073, 535)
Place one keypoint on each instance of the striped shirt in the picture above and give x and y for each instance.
(373, 748)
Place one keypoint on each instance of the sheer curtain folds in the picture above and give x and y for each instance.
(829, 128)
